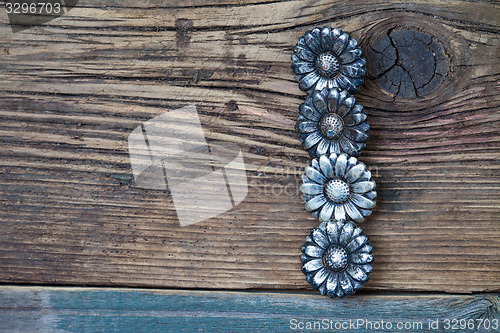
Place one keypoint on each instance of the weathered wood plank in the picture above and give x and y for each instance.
(49, 309)
(73, 89)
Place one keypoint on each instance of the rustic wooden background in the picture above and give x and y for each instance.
(65, 309)
(74, 88)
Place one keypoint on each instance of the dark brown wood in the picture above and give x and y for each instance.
(73, 89)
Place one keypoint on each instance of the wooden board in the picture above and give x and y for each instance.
(73, 89)
(36, 309)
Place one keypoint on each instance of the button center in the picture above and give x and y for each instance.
(335, 258)
(337, 191)
(331, 126)
(327, 65)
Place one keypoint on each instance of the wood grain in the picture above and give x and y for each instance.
(72, 90)
(46, 309)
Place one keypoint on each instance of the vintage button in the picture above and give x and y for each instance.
(328, 58)
(337, 258)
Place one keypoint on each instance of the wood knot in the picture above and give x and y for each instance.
(184, 28)
(407, 63)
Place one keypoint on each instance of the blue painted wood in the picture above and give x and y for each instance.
(61, 309)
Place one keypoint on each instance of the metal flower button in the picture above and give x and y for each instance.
(332, 121)
(338, 186)
(337, 258)
(326, 58)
